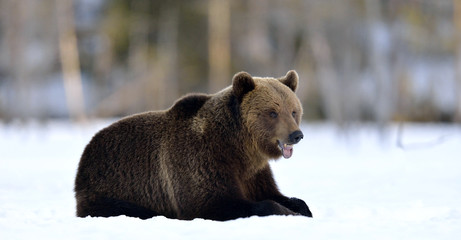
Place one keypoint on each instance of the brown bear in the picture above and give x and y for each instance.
(205, 157)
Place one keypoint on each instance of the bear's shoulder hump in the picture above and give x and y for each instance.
(188, 105)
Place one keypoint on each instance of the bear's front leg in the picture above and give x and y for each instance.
(295, 204)
(262, 187)
(228, 209)
(269, 207)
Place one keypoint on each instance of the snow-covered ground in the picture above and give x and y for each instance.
(358, 186)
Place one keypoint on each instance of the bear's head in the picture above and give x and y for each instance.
(270, 111)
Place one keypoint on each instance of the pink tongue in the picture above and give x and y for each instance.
(287, 151)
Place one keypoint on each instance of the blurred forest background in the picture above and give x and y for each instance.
(358, 60)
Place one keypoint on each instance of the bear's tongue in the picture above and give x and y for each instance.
(287, 150)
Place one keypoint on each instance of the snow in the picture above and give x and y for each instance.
(358, 184)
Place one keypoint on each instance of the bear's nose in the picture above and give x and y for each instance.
(295, 137)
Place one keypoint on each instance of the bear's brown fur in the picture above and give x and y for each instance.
(205, 157)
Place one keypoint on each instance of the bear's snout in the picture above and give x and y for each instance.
(295, 137)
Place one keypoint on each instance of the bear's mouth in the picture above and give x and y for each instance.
(287, 149)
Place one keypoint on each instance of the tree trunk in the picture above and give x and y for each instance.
(218, 44)
(379, 63)
(70, 62)
(457, 23)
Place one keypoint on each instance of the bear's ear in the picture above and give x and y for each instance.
(291, 80)
(242, 83)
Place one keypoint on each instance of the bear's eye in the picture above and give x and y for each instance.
(293, 114)
(273, 115)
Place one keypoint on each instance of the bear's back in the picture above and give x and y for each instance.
(115, 159)
(124, 160)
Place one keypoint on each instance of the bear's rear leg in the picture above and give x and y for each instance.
(108, 207)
